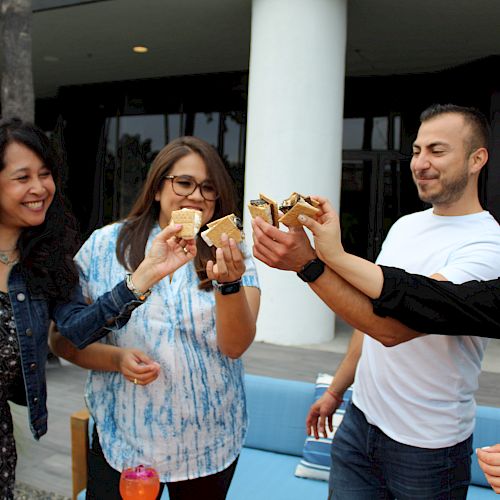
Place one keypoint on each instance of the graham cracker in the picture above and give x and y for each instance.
(212, 236)
(263, 211)
(274, 209)
(268, 212)
(301, 207)
(190, 220)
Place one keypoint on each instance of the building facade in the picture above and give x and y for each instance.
(316, 96)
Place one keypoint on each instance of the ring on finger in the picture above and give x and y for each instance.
(135, 381)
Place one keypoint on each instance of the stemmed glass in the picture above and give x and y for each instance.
(139, 483)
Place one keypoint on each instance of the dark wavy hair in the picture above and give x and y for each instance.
(45, 251)
(133, 237)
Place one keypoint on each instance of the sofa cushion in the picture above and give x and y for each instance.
(480, 493)
(264, 475)
(277, 410)
(254, 478)
(486, 433)
(315, 462)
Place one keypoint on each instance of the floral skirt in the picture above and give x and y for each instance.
(10, 375)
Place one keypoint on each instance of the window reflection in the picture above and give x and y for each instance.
(355, 204)
(372, 133)
(173, 127)
(233, 148)
(206, 126)
(396, 133)
(146, 128)
(232, 140)
(379, 133)
(352, 137)
(130, 144)
(112, 134)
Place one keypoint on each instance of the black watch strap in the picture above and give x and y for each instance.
(312, 270)
(227, 288)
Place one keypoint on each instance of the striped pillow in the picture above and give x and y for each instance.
(315, 462)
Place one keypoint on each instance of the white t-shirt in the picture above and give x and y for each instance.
(421, 393)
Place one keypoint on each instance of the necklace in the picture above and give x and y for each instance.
(4, 259)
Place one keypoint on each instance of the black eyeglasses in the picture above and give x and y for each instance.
(184, 185)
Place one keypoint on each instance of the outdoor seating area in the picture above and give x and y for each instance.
(274, 444)
(249, 250)
(273, 448)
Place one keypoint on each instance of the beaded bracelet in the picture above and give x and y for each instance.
(335, 396)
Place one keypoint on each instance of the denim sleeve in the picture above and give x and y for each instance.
(84, 323)
(440, 307)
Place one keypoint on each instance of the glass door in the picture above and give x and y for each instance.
(357, 202)
(376, 190)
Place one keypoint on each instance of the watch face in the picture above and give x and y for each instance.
(312, 270)
(230, 288)
(227, 288)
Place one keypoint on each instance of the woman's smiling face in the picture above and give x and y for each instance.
(26, 187)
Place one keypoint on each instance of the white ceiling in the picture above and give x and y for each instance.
(411, 36)
(92, 42)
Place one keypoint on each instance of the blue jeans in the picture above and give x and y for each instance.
(368, 465)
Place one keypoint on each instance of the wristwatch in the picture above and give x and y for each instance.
(312, 270)
(227, 288)
(142, 296)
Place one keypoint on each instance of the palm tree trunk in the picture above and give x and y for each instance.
(17, 94)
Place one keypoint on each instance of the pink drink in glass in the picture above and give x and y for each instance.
(139, 483)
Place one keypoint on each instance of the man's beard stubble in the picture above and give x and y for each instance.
(451, 191)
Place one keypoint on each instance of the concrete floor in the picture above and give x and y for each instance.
(46, 464)
(343, 331)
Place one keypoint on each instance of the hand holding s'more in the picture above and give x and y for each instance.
(290, 208)
(287, 250)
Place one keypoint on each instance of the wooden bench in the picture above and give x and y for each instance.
(79, 423)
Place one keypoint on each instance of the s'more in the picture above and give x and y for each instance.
(230, 224)
(266, 208)
(295, 205)
(190, 220)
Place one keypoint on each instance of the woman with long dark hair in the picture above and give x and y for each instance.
(184, 412)
(39, 280)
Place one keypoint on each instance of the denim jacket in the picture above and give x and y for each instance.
(76, 320)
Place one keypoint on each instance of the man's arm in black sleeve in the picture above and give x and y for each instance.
(440, 307)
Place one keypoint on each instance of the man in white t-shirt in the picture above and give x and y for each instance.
(407, 434)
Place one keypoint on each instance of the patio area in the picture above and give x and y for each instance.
(46, 465)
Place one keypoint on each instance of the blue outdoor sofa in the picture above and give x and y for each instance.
(277, 410)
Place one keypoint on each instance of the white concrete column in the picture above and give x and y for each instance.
(294, 140)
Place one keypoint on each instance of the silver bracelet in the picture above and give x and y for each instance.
(142, 296)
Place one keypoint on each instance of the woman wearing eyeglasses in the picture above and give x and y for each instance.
(169, 390)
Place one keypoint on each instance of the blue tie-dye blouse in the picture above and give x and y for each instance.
(191, 421)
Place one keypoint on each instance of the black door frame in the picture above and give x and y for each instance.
(376, 192)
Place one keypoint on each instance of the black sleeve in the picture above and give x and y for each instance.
(440, 307)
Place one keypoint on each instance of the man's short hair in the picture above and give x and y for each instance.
(479, 126)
